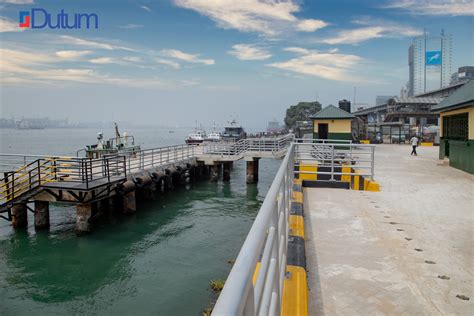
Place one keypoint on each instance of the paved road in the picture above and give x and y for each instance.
(385, 253)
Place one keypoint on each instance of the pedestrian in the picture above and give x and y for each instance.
(414, 144)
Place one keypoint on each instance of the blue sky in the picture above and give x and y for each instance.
(174, 62)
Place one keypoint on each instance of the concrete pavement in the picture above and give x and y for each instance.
(405, 250)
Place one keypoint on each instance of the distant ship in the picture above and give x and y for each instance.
(29, 124)
(234, 131)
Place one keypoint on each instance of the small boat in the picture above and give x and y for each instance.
(196, 138)
(214, 135)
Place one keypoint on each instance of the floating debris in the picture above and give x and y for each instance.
(463, 297)
(217, 285)
(418, 249)
(443, 277)
(430, 262)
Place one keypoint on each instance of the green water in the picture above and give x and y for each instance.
(157, 262)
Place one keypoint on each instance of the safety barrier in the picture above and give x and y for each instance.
(253, 145)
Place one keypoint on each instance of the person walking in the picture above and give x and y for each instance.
(414, 144)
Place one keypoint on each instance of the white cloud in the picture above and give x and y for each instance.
(435, 7)
(72, 54)
(7, 25)
(167, 62)
(268, 17)
(127, 60)
(190, 58)
(249, 52)
(130, 26)
(17, 1)
(144, 7)
(21, 67)
(334, 66)
(93, 44)
(362, 34)
(103, 60)
(310, 25)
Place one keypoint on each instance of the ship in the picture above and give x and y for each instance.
(234, 131)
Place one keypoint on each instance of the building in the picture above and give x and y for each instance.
(383, 99)
(332, 123)
(463, 73)
(457, 128)
(432, 54)
(345, 105)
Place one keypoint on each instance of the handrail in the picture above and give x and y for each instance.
(268, 234)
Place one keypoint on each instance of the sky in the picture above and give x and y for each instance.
(175, 62)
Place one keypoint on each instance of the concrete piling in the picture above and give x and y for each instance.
(41, 215)
(214, 173)
(129, 203)
(19, 216)
(226, 172)
(252, 170)
(83, 215)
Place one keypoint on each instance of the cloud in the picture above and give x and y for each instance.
(190, 58)
(130, 26)
(127, 60)
(362, 34)
(326, 65)
(249, 52)
(310, 25)
(167, 62)
(434, 7)
(266, 17)
(7, 25)
(22, 67)
(144, 7)
(93, 44)
(72, 54)
(17, 1)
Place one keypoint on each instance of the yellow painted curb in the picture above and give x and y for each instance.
(298, 197)
(309, 168)
(296, 224)
(373, 186)
(426, 144)
(346, 169)
(365, 141)
(295, 293)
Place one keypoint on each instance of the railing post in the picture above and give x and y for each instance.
(372, 163)
(332, 163)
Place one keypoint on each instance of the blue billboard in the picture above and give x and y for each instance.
(433, 58)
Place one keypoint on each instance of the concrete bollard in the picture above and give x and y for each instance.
(19, 216)
(41, 215)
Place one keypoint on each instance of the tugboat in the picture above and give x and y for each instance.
(234, 131)
(119, 144)
(214, 136)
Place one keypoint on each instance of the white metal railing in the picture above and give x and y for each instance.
(267, 240)
(273, 145)
(267, 237)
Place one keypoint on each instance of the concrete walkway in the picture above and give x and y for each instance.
(405, 250)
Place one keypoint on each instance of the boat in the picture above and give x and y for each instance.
(196, 138)
(120, 144)
(234, 131)
(214, 135)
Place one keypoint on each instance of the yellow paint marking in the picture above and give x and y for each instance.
(296, 224)
(373, 186)
(298, 181)
(426, 144)
(297, 197)
(255, 273)
(365, 141)
(308, 168)
(346, 169)
(295, 293)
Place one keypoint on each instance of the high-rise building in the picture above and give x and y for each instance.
(429, 63)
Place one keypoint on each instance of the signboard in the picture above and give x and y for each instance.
(433, 58)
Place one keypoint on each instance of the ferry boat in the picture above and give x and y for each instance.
(234, 131)
(196, 138)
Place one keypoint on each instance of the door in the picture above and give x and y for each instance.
(323, 131)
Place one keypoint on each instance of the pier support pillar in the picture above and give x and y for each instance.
(41, 214)
(83, 215)
(129, 203)
(214, 173)
(19, 216)
(226, 172)
(252, 170)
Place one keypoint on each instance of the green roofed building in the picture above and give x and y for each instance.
(457, 128)
(332, 123)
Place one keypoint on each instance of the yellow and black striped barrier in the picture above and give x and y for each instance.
(295, 287)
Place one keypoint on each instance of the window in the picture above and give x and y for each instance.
(455, 127)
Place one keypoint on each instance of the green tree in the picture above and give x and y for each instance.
(301, 112)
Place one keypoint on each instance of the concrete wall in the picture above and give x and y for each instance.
(335, 126)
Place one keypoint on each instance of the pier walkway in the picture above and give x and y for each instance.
(405, 250)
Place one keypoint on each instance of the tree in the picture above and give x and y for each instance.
(301, 112)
